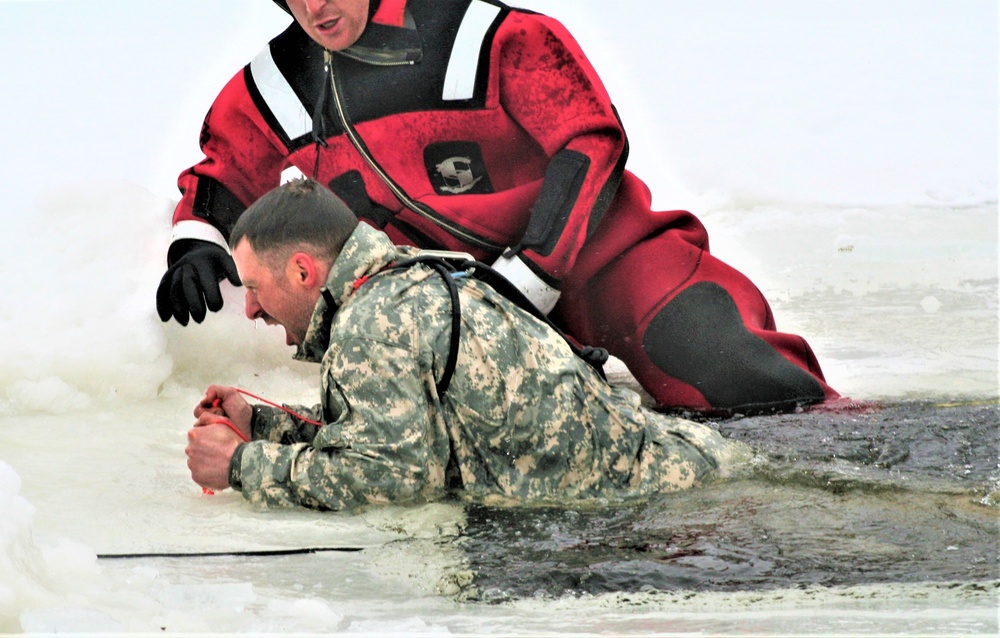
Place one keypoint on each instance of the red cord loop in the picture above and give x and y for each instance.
(217, 402)
(280, 407)
(226, 422)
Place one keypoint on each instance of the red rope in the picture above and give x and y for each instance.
(232, 426)
(280, 407)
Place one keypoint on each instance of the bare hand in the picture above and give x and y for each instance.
(228, 402)
(210, 449)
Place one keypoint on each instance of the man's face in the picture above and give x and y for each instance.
(275, 295)
(334, 24)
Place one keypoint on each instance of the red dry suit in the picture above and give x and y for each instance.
(467, 125)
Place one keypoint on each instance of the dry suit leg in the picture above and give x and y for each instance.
(694, 331)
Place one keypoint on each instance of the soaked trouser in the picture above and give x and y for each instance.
(695, 332)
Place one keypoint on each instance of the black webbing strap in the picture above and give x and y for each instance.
(249, 552)
(444, 268)
(456, 325)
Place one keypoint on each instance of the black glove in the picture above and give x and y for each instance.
(192, 281)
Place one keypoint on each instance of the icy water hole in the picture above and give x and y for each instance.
(902, 494)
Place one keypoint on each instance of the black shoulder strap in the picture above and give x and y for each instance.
(444, 268)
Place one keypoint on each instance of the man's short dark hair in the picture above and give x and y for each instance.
(300, 214)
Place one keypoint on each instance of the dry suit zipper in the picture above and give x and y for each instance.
(417, 207)
(374, 61)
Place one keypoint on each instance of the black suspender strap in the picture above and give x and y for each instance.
(447, 272)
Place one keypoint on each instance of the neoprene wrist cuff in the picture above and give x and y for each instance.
(517, 271)
(254, 417)
(235, 468)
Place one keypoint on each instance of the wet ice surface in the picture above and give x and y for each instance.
(943, 447)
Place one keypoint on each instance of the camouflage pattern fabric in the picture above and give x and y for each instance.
(524, 419)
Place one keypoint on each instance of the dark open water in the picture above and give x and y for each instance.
(904, 493)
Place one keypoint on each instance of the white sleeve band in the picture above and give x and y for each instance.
(277, 93)
(190, 229)
(537, 291)
(463, 65)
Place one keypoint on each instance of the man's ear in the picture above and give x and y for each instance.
(302, 270)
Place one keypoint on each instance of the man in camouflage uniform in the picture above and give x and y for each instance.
(523, 417)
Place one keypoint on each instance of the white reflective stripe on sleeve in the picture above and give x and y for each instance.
(190, 229)
(279, 96)
(460, 79)
(537, 291)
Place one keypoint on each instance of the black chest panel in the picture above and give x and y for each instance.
(371, 91)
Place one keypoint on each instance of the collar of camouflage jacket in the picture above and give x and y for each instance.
(366, 252)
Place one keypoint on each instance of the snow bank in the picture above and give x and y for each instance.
(34, 577)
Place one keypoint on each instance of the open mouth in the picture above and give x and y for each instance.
(328, 25)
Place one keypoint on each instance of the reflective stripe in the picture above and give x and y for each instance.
(460, 79)
(191, 229)
(279, 96)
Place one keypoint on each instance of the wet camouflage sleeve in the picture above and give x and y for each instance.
(272, 424)
(387, 446)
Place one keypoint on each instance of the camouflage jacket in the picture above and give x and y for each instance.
(523, 418)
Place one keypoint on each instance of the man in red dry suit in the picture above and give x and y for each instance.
(471, 126)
